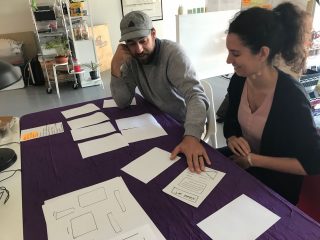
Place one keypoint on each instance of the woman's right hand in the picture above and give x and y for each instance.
(239, 146)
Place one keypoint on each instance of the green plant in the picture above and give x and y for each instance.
(92, 65)
(60, 44)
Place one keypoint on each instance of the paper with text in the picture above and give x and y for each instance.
(42, 131)
(149, 165)
(87, 121)
(110, 103)
(102, 211)
(247, 219)
(92, 131)
(136, 121)
(193, 188)
(102, 145)
(90, 107)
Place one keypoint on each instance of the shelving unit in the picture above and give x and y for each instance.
(63, 27)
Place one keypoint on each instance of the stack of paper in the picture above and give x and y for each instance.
(140, 127)
(110, 103)
(103, 211)
(42, 131)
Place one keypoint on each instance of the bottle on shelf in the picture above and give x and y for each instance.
(76, 65)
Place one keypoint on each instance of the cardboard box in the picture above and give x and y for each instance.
(103, 46)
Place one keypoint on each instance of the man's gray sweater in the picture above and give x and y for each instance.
(168, 82)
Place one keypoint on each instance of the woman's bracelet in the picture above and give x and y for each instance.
(249, 160)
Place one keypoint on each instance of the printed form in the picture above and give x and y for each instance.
(42, 131)
(193, 188)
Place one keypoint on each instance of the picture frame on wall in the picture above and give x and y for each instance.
(151, 7)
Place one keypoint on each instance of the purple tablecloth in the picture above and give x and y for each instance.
(52, 166)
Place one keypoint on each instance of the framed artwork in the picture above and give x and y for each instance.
(151, 7)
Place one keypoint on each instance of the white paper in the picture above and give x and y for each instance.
(90, 107)
(143, 133)
(136, 121)
(102, 145)
(92, 131)
(149, 165)
(110, 103)
(141, 233)
(42, 131)
(87, 121)
(193, 188)
(241, 219)
(103, 211)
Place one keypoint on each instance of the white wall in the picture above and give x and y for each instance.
(15, 16)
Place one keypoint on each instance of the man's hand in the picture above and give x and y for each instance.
(121, 55)
(239, 146)
(194, 152)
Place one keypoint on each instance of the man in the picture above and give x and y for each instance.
(164, 75)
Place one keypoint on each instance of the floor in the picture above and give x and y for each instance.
(31, 99)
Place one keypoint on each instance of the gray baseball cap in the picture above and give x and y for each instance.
(135, 24)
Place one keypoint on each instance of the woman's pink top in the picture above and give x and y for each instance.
(252, 123)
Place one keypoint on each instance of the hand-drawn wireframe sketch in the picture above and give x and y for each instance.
(92, 197)
(83, 224)
(185, 195)
(64, 213)
(113, 222)
(119, 200)
(144, 232)
(193, 188)
(93, 213)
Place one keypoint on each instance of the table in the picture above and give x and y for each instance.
(53, 166)
(11, 224)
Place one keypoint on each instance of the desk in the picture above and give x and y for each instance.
(53, 166)
(11, 212)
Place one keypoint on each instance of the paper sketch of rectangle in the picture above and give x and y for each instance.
(247, 219)
(141, 233)
(119, 214)
(88, 120)
(110, 103)
(92, 131)
(83, 224)
(155, 161)
(136, 121)
(102, 145)
(143, 133)
(92, 197)
(193, 188)
(90, 107)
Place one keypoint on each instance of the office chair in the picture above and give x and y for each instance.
(309, 200)
(211, 126)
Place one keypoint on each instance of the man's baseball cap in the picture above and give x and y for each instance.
(135, 24)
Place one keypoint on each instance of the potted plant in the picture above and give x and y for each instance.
(60, 44)
(94, 69)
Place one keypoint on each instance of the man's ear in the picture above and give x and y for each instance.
(264, 53)
(153, 32)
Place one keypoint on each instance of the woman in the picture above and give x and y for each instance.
(269, 126)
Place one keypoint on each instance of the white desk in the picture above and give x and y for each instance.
(11, 222)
